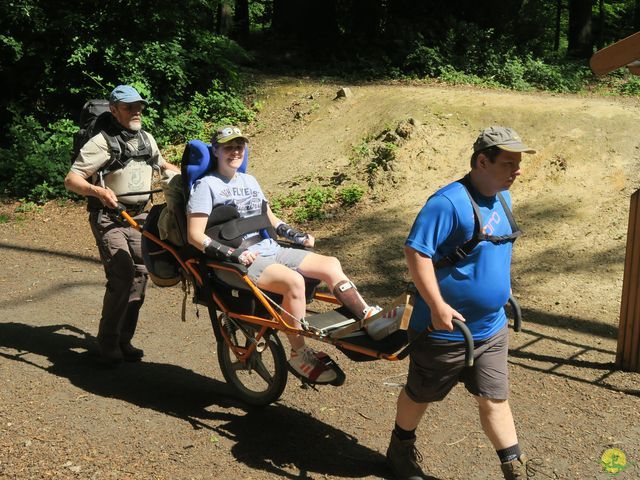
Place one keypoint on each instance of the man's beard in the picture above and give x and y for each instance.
(135, 125)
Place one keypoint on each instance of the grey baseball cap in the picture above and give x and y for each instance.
(504, 138)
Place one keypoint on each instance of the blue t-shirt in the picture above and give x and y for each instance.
(242, 190)
(479, 285)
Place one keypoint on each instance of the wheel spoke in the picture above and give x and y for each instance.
(237, 365)
(261, 370)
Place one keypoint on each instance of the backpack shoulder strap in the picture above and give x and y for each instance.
(465, 249)
(144, 147)
(461, 251)
(115, 153)
(515, 230)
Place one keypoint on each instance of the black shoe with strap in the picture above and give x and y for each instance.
(404, 459)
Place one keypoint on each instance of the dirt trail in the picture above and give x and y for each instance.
(172, 416)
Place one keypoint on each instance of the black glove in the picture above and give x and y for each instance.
(291, 234)
(221, 252)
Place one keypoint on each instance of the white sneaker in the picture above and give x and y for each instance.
(384, 326)
(311, 365)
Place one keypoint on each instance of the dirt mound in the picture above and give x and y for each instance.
(172, 416)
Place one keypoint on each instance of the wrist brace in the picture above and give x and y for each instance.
(215, 249)
(291, 234)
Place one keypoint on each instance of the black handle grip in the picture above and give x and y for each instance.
(517, 314)
(146, 192)
(460, 325)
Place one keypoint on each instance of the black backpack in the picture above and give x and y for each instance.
(96, 118)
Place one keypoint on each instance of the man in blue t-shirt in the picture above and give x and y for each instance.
(473, 289)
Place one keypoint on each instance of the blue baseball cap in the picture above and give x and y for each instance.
(126, 94)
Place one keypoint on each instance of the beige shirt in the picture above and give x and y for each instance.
(135, 177)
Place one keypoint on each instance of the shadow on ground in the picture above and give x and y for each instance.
(266, 439)
(531, 351)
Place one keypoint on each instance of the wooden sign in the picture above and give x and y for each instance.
(629, 327)
(617, 55)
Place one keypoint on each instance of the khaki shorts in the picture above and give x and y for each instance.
(290, 257)
(437, 365)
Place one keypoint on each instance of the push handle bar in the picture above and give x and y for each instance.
(517, 314)
(460, 325)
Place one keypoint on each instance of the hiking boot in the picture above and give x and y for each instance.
(131, 353)
(515, 469)
(312, 366)
(403, 458)
(110, 353)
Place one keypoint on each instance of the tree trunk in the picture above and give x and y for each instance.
(556, 40)
(225, 18)
(580, 28)
(284, 17)
(365, 18)
(600, 40)
(241, 20)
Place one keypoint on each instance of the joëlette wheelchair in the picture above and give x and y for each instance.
(246, 320)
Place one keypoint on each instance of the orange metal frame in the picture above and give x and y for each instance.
(276, 322)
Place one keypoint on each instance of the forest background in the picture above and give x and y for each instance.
(199, 61)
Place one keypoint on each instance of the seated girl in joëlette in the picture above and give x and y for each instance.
(272, 267)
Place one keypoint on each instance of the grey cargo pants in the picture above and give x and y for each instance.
(120, 250)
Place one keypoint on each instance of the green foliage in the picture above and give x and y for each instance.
(70, 52)
(35, 165)
(314, 203)
(361, 149)
(350, 195)
(619, 82)
(630, 86)
(4, 218)
(424, 61)
(27, 206)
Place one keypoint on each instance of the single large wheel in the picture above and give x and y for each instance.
(261, 379)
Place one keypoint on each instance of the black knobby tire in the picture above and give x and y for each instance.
(263, 378)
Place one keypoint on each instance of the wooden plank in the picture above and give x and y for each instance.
(633, 321)
(632, 330)
(624, 303)
(632, 310)
(631, 291)
(617, 55)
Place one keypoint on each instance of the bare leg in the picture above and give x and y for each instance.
(321, 267)
(409, 413)
(282, 280)
(497, 422)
